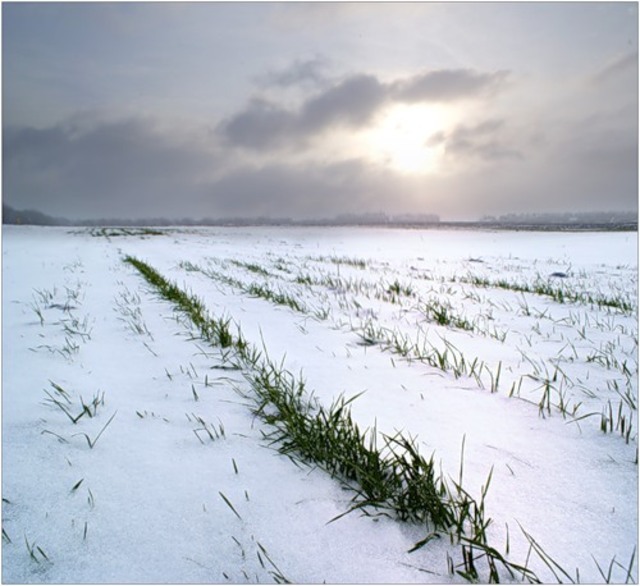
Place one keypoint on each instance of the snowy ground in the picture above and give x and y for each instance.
(155, 499)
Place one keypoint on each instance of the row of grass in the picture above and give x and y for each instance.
(558, 294)
(261, 290)
(359, 263)
(216, 332)
(107, 232)
(392, 292)
(391, 479)
(394, 480)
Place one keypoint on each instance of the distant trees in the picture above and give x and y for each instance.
(31, 217)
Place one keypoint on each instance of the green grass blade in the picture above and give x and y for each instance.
(226, 500)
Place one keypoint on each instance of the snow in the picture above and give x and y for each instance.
(150, 506)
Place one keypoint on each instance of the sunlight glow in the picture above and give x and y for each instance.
(400, 139)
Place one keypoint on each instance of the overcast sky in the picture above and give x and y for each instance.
(313, 110)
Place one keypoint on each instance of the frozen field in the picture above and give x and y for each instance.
(132, 451)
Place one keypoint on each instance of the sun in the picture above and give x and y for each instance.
(400, 138)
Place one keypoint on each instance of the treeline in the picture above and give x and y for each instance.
(30, 217)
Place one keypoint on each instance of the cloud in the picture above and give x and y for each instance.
(265, 124)
(262, 124)
(482, 141)
(351, 103)
(448, 85)
(308, 72)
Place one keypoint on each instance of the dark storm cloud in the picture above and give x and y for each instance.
(352, 103)
(484, 141)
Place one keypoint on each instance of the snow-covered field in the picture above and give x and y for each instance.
(131, 455)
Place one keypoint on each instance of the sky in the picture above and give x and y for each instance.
(312, 110)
